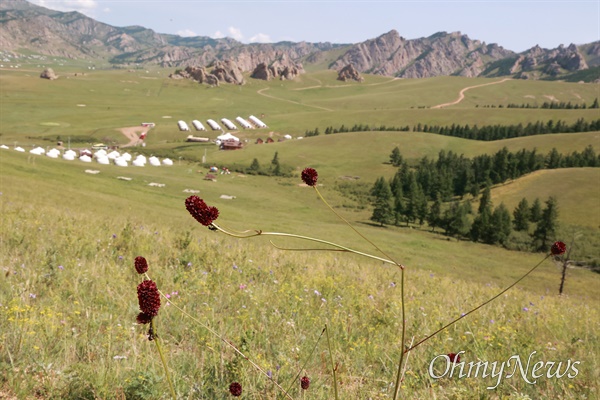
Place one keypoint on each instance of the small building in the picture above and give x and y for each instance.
(257, 122)
(198, 125)
(228, 124)
(231, 144)
(214, 126)
(245, 124)
(270, 140)
(259, 141)
(148, 124)
(183, 126)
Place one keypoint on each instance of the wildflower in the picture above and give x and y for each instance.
(61, 267)
(143, 318)
(309, 176)
(558, 248)
(304, 382)
(148, 297)
(200, 211)
(525, 309)
(453, 357)
(141, 265)
(235, 389)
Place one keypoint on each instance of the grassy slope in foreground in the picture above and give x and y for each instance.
(68, 294)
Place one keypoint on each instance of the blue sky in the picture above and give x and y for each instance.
(515, 25)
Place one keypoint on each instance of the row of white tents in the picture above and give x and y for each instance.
(183, 126)
(100, 156)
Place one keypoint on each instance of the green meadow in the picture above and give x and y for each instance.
(69, 238)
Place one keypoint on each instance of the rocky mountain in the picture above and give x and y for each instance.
(24, 25)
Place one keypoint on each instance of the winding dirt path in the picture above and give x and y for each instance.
(133, 134)
(461, 94)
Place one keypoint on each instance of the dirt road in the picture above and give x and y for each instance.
(133, 134)
(461, 94)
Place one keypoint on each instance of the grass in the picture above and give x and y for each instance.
(69, 306)
(69, 240)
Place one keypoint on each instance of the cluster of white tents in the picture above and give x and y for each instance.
(100, 156)
(183, 126)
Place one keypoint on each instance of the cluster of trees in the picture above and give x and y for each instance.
(453, 175)
(275, 168)
(485, 132)
(498, 132)
(392, 205)
(553, 105)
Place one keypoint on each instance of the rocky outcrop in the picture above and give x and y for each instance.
(349, 73)
(440, 54)
(550, 62)
(282, 68)
(48, 73)
(226, 71)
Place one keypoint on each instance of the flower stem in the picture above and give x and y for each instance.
(354, 229)
(479, 306)
(228, 343)
(333, 368)
(164, 362)
(337, 246)
(307, 359)
(403, 337)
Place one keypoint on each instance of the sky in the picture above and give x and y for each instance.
(516, 25)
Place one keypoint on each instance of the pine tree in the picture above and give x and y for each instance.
(435, 213)
(255, 166)
(396, 158)
(522, 216)
(501, 225)
(545, 232)
(486, 199)
(382, 207)
(535, 212)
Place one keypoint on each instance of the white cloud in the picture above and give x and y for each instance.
(232, 32)
(261, 38)
(187, 33)
(235, 33)
(106, 10)
(83, 6)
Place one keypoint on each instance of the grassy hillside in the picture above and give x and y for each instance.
(68, 294)
(69, 239)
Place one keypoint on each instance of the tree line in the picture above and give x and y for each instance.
(431, 192)
(492, 225)
(456, 175)
(475, 132)
(551, 105)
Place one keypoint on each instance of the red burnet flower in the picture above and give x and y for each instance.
(558, 248)
(453, 357)
(149, 298)
(304, 382)
(310, 176)
(143, 318)
(200, 211)
(141, 265)
(235, 389)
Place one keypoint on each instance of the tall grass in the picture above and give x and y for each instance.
(68, 310)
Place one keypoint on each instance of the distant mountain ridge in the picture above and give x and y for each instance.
(25, 26)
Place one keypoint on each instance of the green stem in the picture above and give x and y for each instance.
(164, 362)
(354, 229)
(307, 359)
(338, 246)
(403, 315)
(478, 307)
(228, 343)
(333, 368)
